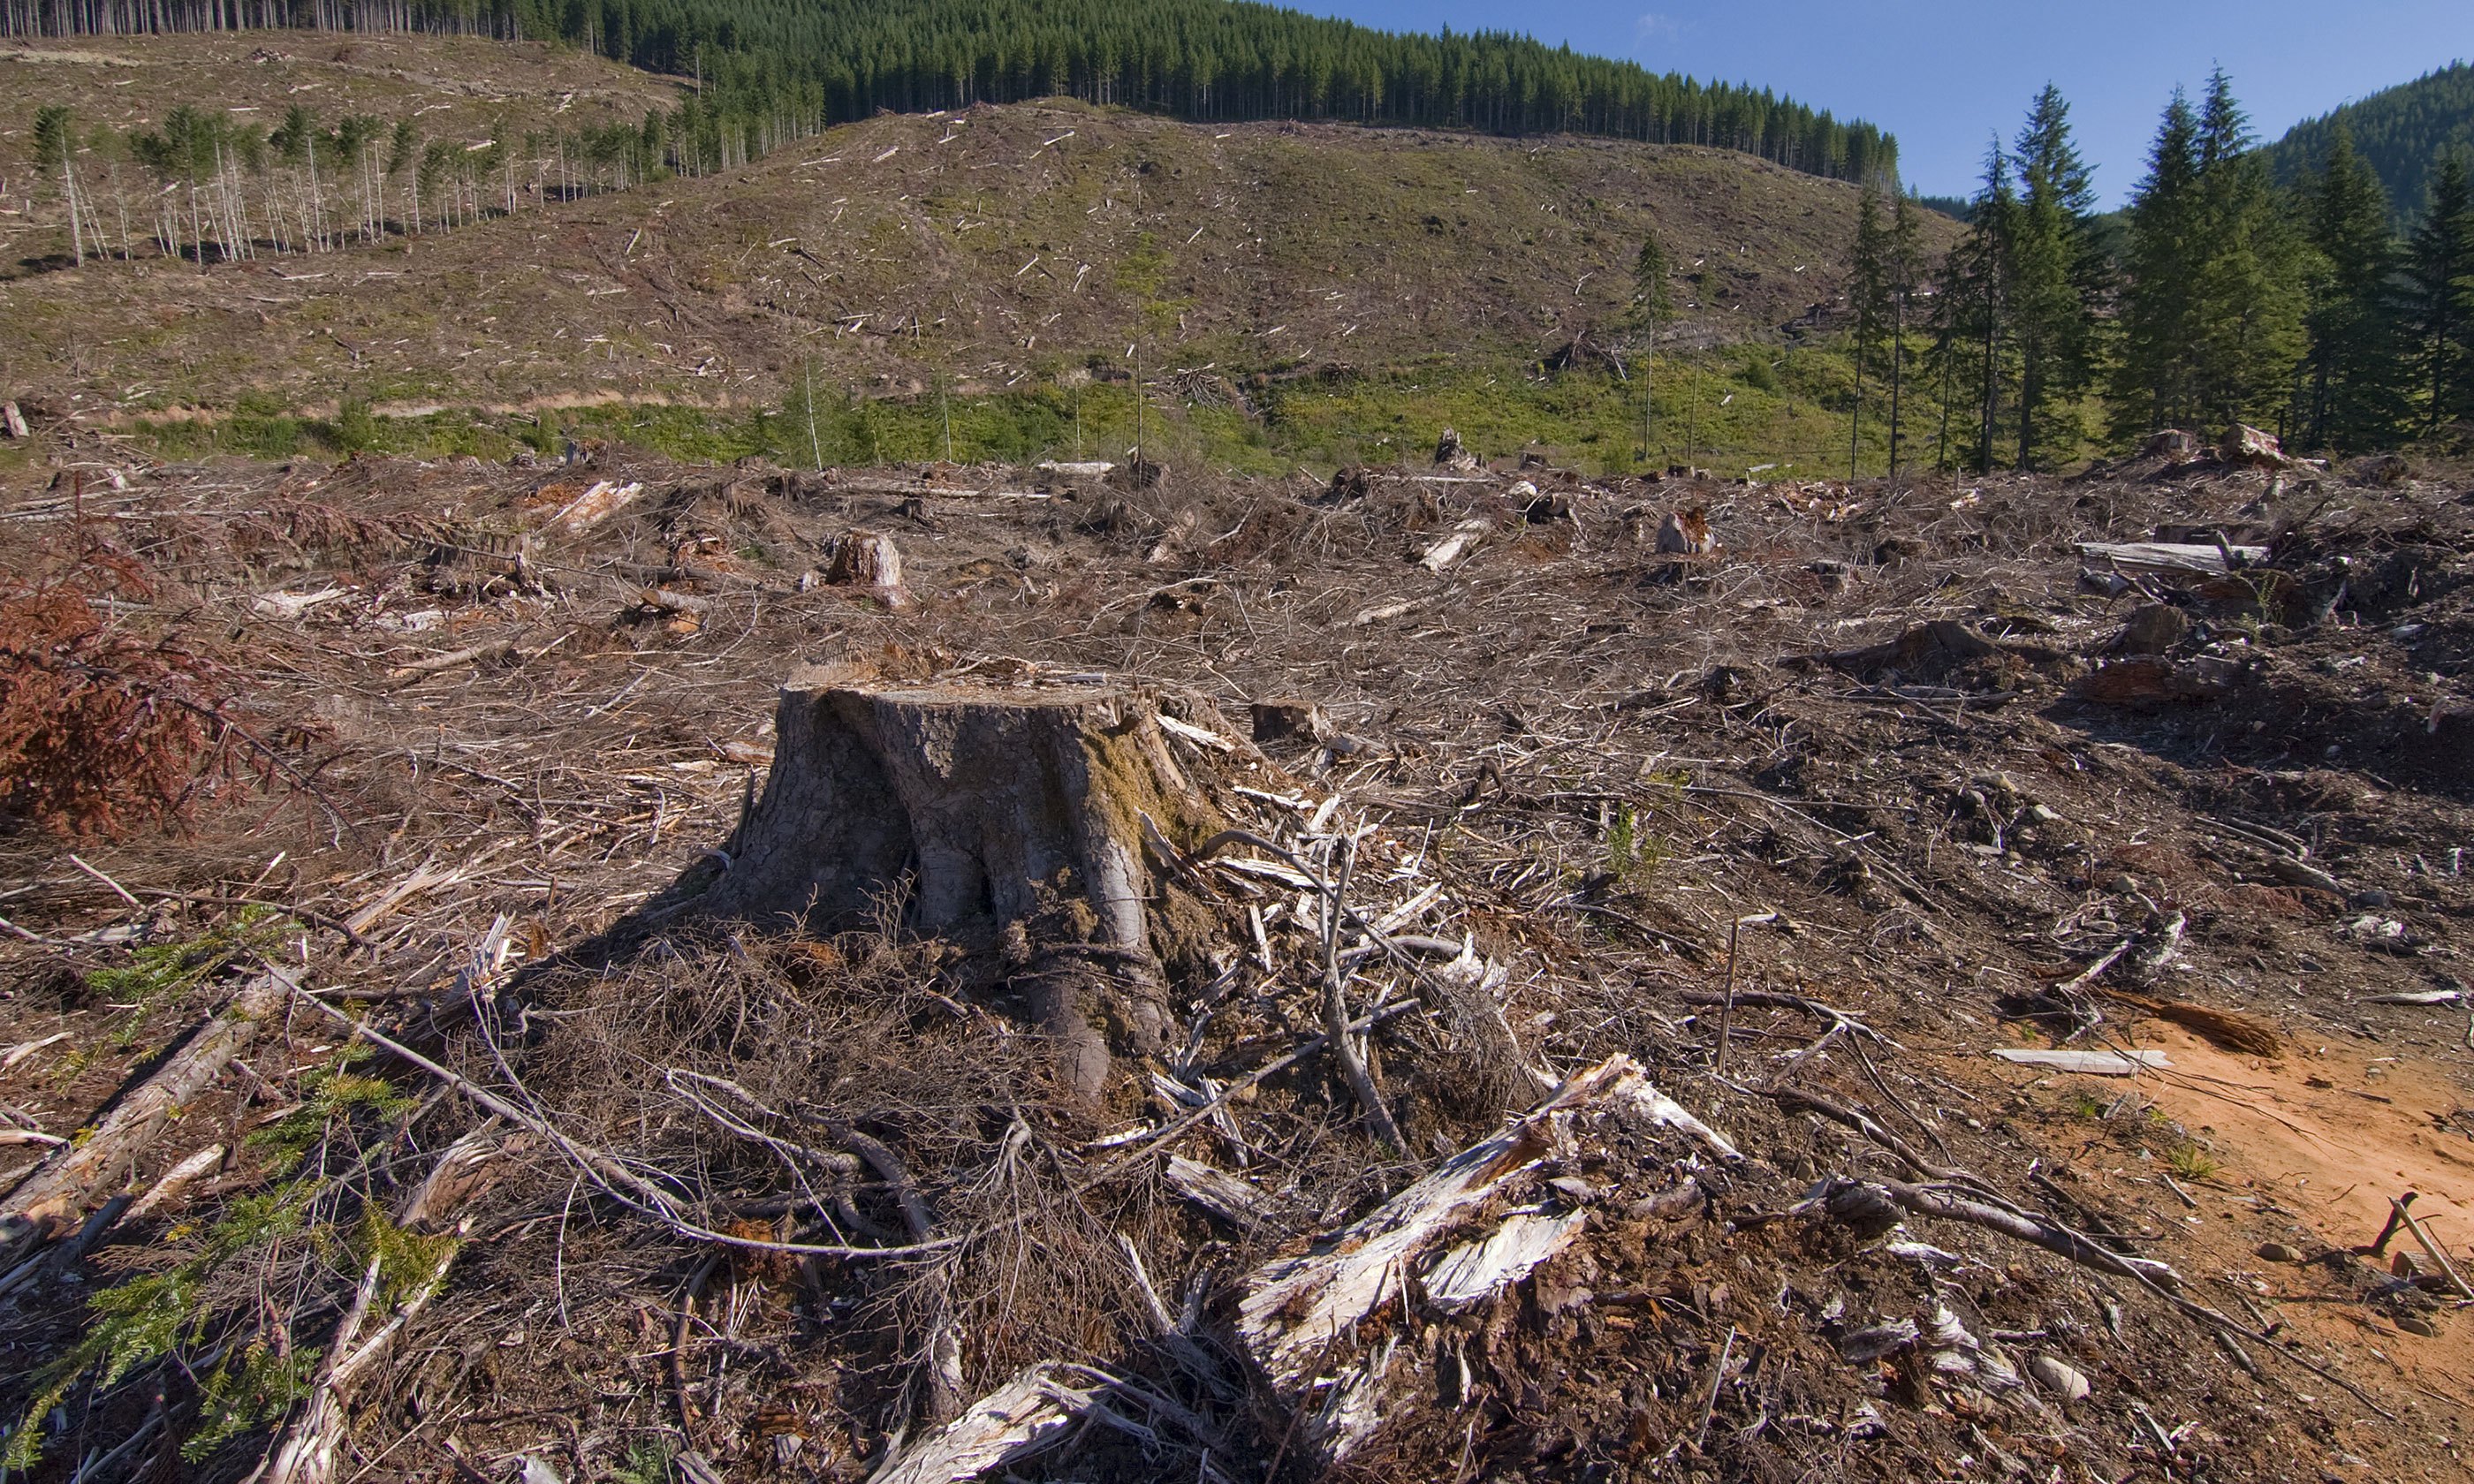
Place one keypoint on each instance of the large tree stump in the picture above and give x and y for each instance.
(1014, 819)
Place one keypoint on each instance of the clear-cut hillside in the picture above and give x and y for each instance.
(993, 247)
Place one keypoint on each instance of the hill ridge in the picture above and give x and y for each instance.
(2400, 131)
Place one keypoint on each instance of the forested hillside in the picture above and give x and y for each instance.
(2399, 132)
(832, 61)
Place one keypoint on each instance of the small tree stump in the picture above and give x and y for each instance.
(1001, 818)
(1686, 533)
(2244, 443)
(1281, 719)
(863, 559)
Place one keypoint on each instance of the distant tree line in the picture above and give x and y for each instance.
(1209, 59)
(2220, 298)
(207, 187)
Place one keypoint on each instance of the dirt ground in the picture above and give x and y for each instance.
(1934, 770)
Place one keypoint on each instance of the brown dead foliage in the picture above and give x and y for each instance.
(101, 729)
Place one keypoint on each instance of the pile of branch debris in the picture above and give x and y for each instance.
(1153, 993)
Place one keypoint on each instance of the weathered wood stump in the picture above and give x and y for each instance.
(1013, 820)
(864, 559)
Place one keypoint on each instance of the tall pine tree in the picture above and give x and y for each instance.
(2212, 319)
(1905, 265)
(1972, 350)
(2247, 276)
(2440, 312)
(1653, 305)
(2354, 374)
(56, 150)
(2151, 383)
(2057, 275)
(1868, 294)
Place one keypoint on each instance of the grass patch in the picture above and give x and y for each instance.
(1778, 412)
(2190, 1161)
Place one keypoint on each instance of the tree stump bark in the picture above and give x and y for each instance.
(863, 559)
(1002, 818)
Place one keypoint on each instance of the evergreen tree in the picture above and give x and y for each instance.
(2058, 275)
(1868, 294)
(1653, 297)
(2212, 319)
(2247, 279)
(1972, 351)
(2441, 311)
(56, 150)
(777, 70)
(403, 154)
(1905, 265)
(1653, 305)
(2158, 308)
(2405, 133)
(2354, 371)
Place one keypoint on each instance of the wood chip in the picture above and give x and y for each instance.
(2096, 1063)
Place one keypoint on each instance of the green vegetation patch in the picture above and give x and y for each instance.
(1779, 411)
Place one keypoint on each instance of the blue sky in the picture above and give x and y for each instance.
(1944, 74)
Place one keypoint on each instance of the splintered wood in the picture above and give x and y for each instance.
(1007, 1424)
(1453, 547)
(1303, 1320)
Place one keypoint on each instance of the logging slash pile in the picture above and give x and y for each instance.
(629, 972)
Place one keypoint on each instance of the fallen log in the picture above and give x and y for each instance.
(1451, 548)
(292, 605)
(1216, 1191)
(477, 655)
(599, 502)
(921, 486)
(78, 1176)
(64, 1258)
(174, 1184)
(2174, 556)
(671, 602)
